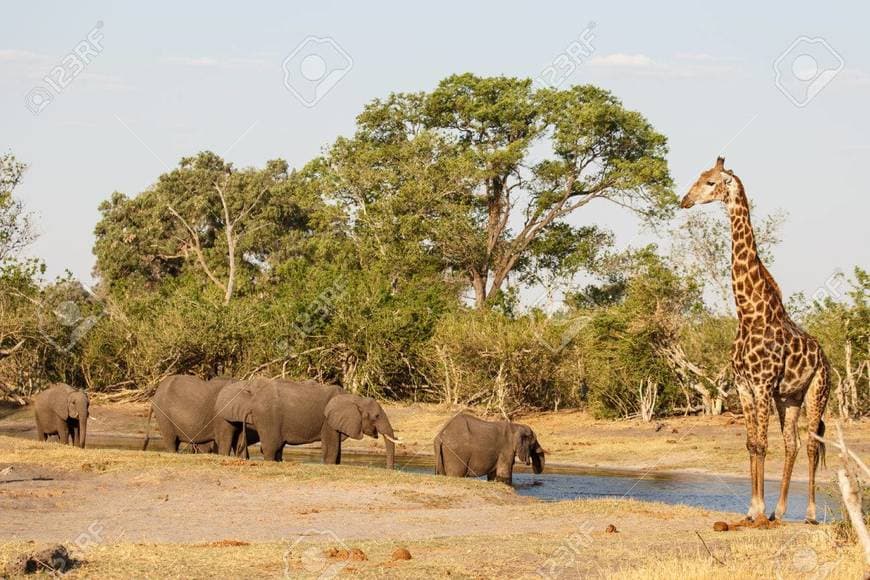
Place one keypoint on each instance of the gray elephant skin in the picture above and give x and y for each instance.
(282, 413)
(63, 411)
(234, 429)
(470, 447)
(184, 408)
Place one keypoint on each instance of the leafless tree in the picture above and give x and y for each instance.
(231, 231)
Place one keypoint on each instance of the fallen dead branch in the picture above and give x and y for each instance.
(847, 478)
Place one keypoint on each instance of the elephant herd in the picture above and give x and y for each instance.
(226, 416)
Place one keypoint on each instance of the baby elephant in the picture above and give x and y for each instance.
(471, 447)
(63, 411)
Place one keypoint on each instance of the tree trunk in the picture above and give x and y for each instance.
(478, 282)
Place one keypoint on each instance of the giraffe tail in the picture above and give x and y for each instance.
(820, 456)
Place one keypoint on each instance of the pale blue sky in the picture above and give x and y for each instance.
(176, 78)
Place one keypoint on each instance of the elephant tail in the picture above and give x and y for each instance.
(439, 457)
(147, 429)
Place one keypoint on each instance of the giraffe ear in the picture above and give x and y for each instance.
(720, 163)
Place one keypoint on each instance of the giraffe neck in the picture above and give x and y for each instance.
(754, 288)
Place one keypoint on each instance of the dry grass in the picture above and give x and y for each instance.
(662, 555)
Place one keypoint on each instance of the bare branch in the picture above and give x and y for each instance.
(197, 249)
(231, 244)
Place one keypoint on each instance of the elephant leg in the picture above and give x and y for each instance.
(63, 433)
(225, 436)
(330, 444)
(171, 441)
(490, 476)
(272, 450)
(504, 471)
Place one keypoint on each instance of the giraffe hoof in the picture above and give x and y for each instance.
(811, 521)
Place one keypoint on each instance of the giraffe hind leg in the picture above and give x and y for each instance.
(788, 412)
(816, 401)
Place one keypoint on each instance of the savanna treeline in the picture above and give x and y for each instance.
(403, 263)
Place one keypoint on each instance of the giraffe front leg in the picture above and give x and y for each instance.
(763, 418)
(747, 402)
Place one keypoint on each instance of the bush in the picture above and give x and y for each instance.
(486, 358)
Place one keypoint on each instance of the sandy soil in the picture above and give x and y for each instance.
(128, 513)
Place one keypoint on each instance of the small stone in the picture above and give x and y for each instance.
(611, 529)
(401, 554)
(720, 527)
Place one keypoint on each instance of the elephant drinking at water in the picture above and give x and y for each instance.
(62, 410)
(470, 447)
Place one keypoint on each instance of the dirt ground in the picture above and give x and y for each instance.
(125, 513)
(128, 513)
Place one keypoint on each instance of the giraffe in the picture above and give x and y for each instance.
(772, 358)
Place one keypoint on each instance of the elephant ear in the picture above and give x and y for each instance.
(61, 401)
(343, 415)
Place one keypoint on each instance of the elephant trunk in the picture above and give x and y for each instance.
(538, 459)
(386, 430)
(83, 428)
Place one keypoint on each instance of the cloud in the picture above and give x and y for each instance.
(681, 66)
(855, 77)
(33, 68)
(702, 57)
(619, 59)
(12, 55)
(214, 62)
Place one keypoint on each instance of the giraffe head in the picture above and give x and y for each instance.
(713, 184)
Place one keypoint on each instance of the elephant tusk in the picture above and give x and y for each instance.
(391, 439)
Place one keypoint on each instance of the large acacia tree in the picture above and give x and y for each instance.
(481, 174)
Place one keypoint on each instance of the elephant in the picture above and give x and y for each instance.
(470, 447)
(234, 430)
(184, 407)
(63, 410)
(296, 413)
